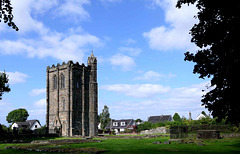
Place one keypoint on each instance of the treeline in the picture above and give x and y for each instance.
(194, 125)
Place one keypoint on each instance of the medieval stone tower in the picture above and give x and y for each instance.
(72, 98)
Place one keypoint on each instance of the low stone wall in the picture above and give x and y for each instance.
(127, 134)
(230, 135)
(157, 130)
(208, 134)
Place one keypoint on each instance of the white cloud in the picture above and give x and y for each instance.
(191, 91)
(23, 18)
(40, 6)
(150, 75)
(26, 12)
(176, 35)
(36, 92)
(110, 1)
(56, 45)
(74, 9)
(172, 100)
(153, 76)
(137, 90)
(40, 103)
(123, 61)
(69, 45)
(16, 77)
(129, 41)
(131, 51)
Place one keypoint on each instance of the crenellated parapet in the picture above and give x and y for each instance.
(64, 65)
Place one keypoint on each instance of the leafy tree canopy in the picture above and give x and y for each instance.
(104, 117)
(217, 35)
(4, 86)
(138, 120)
(6, 13)
(18, 115)
(176, 117)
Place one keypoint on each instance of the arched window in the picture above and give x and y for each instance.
(63, 104)
(55, 82)
(62, 81)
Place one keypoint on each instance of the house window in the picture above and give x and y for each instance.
(35, 126)
(115, 124)
(62, 81)
(55, 82)
(123, 123)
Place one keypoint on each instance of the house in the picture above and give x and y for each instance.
(161, 118)
(31, 124)
(120, 125)
(200, 116)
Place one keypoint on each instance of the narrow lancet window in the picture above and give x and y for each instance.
(77, 84)
(55, 82)
(62, 81)
(63, 103)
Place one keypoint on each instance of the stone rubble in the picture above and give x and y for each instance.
(158, 130)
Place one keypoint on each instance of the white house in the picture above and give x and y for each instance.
(200, 116)
(120, 125)
(31, 124)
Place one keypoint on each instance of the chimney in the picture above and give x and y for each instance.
(190, 117)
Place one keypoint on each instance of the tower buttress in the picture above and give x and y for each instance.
(47, 98)
(93, 96)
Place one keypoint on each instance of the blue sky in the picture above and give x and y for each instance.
(139, 44)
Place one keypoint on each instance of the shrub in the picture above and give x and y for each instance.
(160, 124)
(41, 130)
(128, 130)
(145, 126)
(24, 131)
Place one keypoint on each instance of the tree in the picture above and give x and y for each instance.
(138, 120)
(176, 117)
(217, 36)
(104, 117)
(4, 86)
(18, 115)
(6, 13)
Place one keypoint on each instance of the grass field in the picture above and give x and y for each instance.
(145, 145)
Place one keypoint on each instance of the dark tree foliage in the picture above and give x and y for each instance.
(218, 36)
(176, 117)
(18, 115)
(104, 117)
(138, 120)
(6, 13)
(4, 86)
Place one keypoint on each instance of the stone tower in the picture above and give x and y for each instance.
(72, 98)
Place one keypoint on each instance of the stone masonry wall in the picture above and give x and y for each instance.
(157, 130)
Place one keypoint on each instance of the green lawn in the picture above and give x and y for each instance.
(114, 145)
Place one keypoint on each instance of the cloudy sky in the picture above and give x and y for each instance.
(139, 44)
